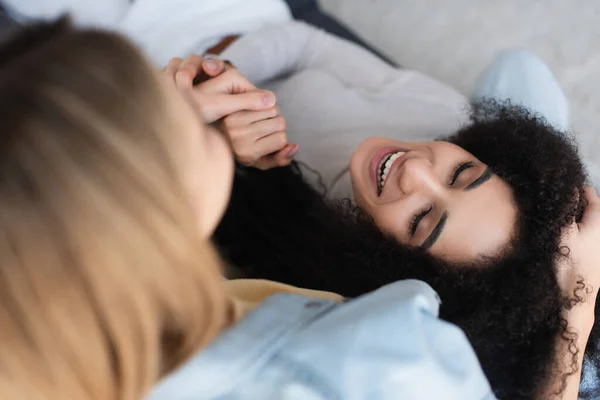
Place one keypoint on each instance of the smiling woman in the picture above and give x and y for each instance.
(428, 194)
(336, 98)
(509, 304)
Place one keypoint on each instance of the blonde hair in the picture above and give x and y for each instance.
(105, 282)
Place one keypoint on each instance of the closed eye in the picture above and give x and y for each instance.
(459, 170)
(414, 225)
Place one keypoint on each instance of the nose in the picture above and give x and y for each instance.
(416, 175)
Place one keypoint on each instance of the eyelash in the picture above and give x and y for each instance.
(417, 218)
(453, 177)
(458, 170)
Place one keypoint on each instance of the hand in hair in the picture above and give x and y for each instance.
(580, 264)
(257, 137)
(226, 94)
(582, 258)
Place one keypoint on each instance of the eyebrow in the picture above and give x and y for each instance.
(437, 231)
(483, 178)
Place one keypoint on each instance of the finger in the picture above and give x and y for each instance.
(285, 156)
(278, 159)
(246, 118)
(265, 128)
(270, 144)
(221, 105)
(189, 68)
(213, 66)
(231, 81)
(172, 66)
(210, 68)
(268, 162)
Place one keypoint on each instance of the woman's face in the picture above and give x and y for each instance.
(434, 195)
(207, 161)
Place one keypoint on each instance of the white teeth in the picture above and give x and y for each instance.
(388, 165)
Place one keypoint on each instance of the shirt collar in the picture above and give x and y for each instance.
(241, 350)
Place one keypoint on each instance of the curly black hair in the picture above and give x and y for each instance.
(510, 306)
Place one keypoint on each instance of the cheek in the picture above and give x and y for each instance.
(209, 174)
(213, 187)
(391, 220)
(216, 162)
(221, 155)
(448, 152)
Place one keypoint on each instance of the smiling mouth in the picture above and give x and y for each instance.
(384, 168)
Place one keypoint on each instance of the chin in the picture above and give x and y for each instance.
(356, 161)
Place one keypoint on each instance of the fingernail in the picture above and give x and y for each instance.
(210, 65)
(269, 99)
(293, 151)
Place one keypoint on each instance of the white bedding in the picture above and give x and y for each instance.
(163, 28)
(453, 41)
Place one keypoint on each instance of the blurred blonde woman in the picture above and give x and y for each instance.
(110, 186)
(102, 259)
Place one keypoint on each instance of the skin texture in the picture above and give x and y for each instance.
(200, 105)
(207, 158)
(255, 133)
(435, 183)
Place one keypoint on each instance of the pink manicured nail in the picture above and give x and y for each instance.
(293, 151)
(210, 65)
(269, 99)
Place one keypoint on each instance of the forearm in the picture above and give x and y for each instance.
(581, 320)
(283, 49)
(271, 52)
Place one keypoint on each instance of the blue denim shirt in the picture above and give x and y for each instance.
(589, 389)
(388, 344)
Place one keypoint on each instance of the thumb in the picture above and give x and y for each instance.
(217, 106)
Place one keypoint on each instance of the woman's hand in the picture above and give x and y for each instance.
(226, 94)
(583, 239)
(257, 136)
(581, 266)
